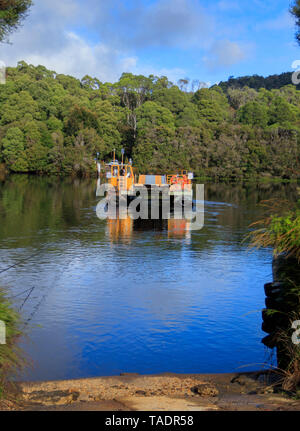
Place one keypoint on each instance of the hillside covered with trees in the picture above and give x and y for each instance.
(257, 82)
(55, 124)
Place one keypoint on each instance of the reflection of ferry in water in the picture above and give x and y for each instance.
(122, 229)
(127, 183)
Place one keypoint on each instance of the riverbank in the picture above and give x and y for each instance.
(256, 391)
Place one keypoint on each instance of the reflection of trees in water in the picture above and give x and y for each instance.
(35, 210)
(245, 200)
(30, 205)
(38, 218)
(249, 193)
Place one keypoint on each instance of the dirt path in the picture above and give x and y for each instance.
(167, 392)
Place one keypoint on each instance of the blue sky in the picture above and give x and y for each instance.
(200, 39)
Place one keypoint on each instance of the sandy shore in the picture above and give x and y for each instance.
(166, 392)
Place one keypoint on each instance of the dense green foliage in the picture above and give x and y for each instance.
(272, 82)
(285, 233)
(55, 124)
(280, 230)
(12, 12)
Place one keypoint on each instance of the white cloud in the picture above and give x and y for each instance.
(77, 57)
(166, 23)
(46, 38)
(58, 35)
(224, 53)
(104, 39)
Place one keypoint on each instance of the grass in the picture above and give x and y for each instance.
(290, 381)
(11, 360)
(280, 229)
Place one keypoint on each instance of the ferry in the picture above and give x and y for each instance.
(127, 182)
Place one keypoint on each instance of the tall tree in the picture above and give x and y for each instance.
(134, 91)
(12, 12)
(295, 10)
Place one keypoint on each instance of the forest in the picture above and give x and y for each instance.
(257, 82)
(55, 124)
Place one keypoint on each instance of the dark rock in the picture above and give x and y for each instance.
(283, 266)
(240, 379)
(52, 398)
(141, 393)
(274, 320)
(274, 290)
(270, 341)
(246, 383)
(205, 390)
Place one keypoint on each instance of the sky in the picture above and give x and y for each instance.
(205, 40)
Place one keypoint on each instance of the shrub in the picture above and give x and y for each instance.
(11, 359)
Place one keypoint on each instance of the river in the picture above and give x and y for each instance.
(102, 297)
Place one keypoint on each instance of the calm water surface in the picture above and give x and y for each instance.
(124, 296)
